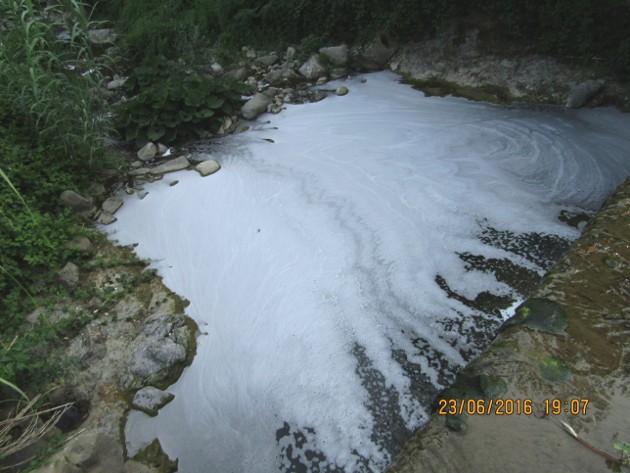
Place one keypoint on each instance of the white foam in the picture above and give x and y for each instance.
(298, 250)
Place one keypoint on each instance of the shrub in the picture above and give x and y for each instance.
(171, 104)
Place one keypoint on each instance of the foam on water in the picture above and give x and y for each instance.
(311, 263)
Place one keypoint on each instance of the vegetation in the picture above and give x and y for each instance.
(51, 136)
(581, 31)
(170, 103)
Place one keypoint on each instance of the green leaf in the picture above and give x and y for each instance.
(155, 132)
(206, 113)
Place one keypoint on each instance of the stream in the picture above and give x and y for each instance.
(349, 257)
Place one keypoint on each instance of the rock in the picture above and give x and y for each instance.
(341, 90)
(322, 80)
(93, 451)
(162, 149)
(583, 92)
(173, 165)
(139, 172)
(207, 167)
(255, 106)
(313, 68)
(112, 204)
(375, 56)
(319, 96)
(81, 244)
(69, 275)
(102, 36)
(116, 83)
(290, 54)
(158, 347)
(97, 190)
(268, 60)
(147, 152)
(226, 127)
(150, 400)
(78, 203)
(153, 356)
(216, 68)
(105, 218)
(239, 74)
(338, 73)
(336, 55)
(275, 77)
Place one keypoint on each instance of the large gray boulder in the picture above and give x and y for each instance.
(255, 106)
(583, 92)
(313, 68)
(147, 152)
(336, 55)
(158, 348)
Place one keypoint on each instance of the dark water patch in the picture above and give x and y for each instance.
(541, 249)
(485, 301)
(389, 430)
(521, 279)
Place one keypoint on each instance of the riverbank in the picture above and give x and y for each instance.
(575, 352)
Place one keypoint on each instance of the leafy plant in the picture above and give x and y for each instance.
(171, 104)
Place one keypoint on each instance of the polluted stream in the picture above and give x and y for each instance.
(349, 257)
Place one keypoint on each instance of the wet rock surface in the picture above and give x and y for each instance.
(569, 345)
(139, 318)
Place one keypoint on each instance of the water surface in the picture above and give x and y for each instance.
(343, 271)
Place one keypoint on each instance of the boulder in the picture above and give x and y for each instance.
(147, 152)
(102, 36)
(150, 400)
(105, 218)
(341, 90)
(112, 204)
(313, 68)
(374, 57)
(268, 60)
(69, 275)
(583, 92)
(207, 167)
(172, 165)
(157, 348)
(116, 83)
(81, 244)
(336, 55)
(78, 203)
(255, 106)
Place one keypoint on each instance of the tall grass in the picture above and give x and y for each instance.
(52, 81)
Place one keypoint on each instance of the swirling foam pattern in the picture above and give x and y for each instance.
(311, 264)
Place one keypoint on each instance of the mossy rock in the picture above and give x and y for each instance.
(153, 455)
(540, 314)
(457, 423)
(493, 387)
(554, 369)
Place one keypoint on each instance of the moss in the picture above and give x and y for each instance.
(554, 369)
(154, 456)
(435, 86)
(540, 314)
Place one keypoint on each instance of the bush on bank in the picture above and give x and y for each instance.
(578, 31)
